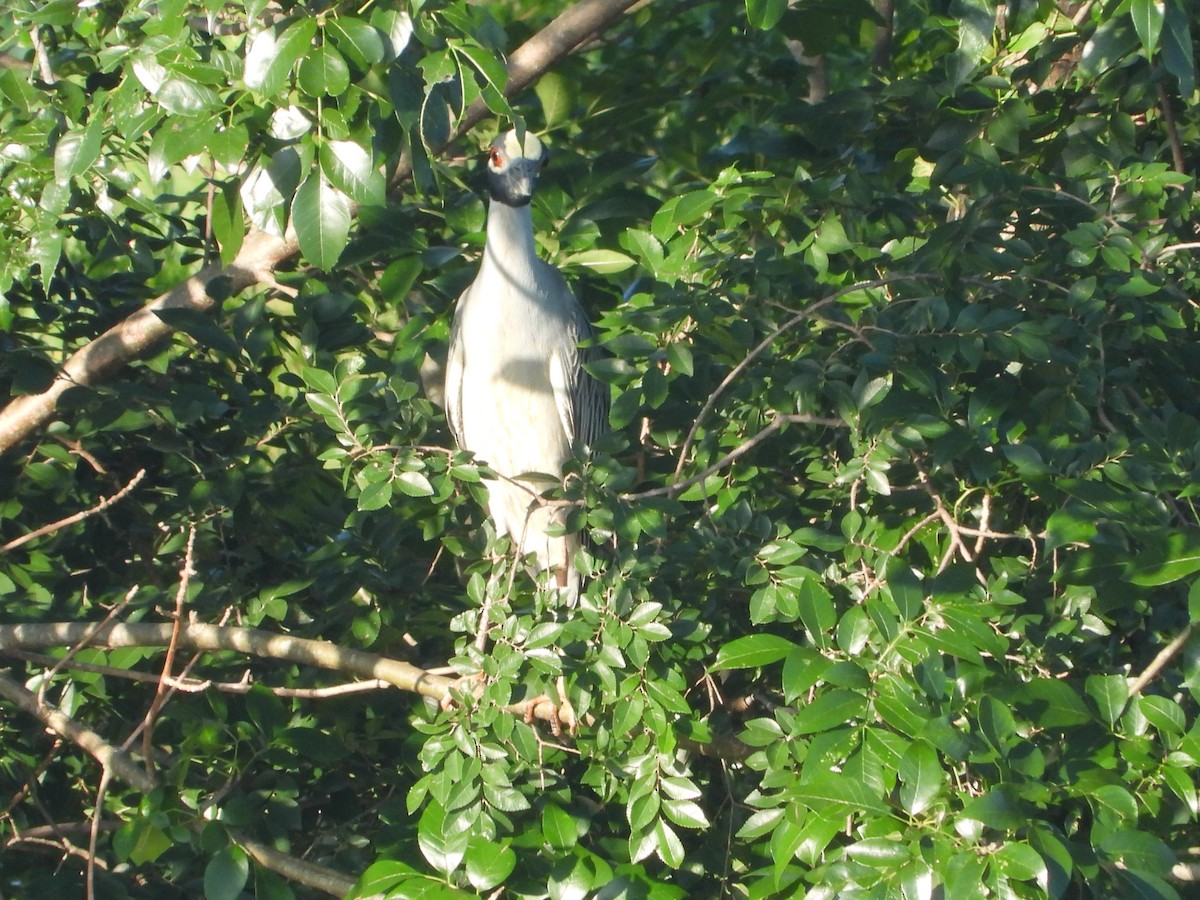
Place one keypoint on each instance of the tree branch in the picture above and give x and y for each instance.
(141, 334)
(76, 517)
(1164, 656)
(112, 758)
(251, 641)
(207, 638)
(119, 763)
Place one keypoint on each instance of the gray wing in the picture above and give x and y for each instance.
(582, 401)
(454, 375)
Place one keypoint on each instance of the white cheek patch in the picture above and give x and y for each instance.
(512, 147)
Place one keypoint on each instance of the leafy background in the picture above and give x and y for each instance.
(894, 542)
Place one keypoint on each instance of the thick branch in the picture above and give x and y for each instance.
(200, 636)
(142, 334)
(112, 758)
(207, 638)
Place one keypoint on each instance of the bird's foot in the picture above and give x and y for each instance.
(556, 715)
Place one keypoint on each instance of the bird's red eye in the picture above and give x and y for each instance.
(494, 156)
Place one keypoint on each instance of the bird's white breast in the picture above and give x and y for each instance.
(509, 414)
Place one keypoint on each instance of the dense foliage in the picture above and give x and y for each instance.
(894, 542)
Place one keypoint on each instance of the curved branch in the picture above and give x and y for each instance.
(573, 27)
(144, 332)
(100, 507)
(766, 342)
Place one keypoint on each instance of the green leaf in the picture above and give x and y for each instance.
(1175, 556)
(997, 723)
(1020, 861)
(1137, 850)
(1054, 704)
(362, 42)
(881, 852)
(184, 97)
(321, 217)
(493, 72)
(1148, 18)
(488, 866)
(226, 874)
(1069, 526)
(77, 151)
(816, 610)
(1177, 53)
(602, 262)
(375, 495)
(832, 793)
(414, 484)
(556, 93)
(765, 14)
(443, 847)
(752, 651)
(830, 710)
(350, 168)
(274, 52)
(381, 877)
(686, 813)
(922, 778)
(199, 326)
(559, 828)
(323, 72)
(1110, 693)
(669, 847)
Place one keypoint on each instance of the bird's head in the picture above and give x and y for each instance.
(513, 167)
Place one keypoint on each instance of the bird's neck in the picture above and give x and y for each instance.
(509, 235)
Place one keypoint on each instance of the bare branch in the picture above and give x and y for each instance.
(77, 517)
(766, 342)
(733, 455)
(1165, 655)
(300, 871)
(160, 694)
(119, 763)
(198, 685)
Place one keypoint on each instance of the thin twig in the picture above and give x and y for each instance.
(1165, 655)
(160, 694)
(76, 517)
(766, 342)
(122, 765)
(109, 756)
(92, 630)
(736, 453)
(952, 526)
(94, 833)
(45, 70)
(1177, 248)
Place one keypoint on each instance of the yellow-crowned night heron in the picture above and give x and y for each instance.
(516, 393)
